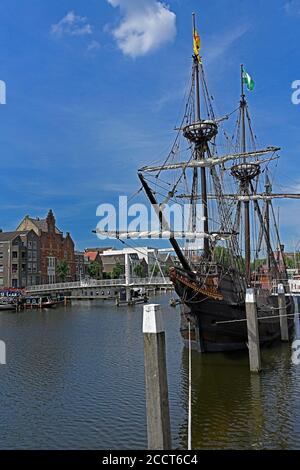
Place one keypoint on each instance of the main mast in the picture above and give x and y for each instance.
(200, 147)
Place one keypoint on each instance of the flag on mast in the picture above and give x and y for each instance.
(197, 45)
(248, 80)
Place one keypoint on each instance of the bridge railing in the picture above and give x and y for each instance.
(88, 283)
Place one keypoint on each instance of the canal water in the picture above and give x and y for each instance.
(74, 379)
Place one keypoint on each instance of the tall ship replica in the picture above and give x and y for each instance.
(226, 181)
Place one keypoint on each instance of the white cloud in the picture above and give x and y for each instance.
(146, 25)
(93, 46)
(73, 25)
(292, 7)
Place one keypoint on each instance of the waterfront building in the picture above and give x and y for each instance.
(32, 261)
(54, 247)
(11, 255)
(136, 257)
(93, 256)
(19, 259)
(152, 260)
(80, 265)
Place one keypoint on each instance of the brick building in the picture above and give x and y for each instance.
(54, 247)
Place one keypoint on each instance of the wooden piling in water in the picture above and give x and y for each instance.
(157, 399)
(283, 312)
(253, 331)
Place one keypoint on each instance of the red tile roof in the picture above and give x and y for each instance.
(92, 255)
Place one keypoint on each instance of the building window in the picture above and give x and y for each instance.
(1, 268)
(51, 262)
(14, 254)
(14, 268)
(34, 245)
(29, 244)
(51, 269)
(1, 282)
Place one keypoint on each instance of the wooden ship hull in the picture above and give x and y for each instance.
(219, 325)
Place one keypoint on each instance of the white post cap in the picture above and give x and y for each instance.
(152, 319)
(250, 296)
(281, 289)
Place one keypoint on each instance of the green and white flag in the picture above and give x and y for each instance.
(248, 80)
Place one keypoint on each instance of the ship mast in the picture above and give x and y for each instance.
(267, 218)
(245, 187)
(199, 155)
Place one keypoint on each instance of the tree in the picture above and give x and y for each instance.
(62, 270)
(94, 270)
(117, 271)
(139, 270)
(166, 270)
(155, 271)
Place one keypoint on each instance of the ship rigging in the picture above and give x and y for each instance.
(223, 258)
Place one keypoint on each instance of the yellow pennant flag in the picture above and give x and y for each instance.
(197, 45)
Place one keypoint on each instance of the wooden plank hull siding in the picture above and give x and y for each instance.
(54, 247)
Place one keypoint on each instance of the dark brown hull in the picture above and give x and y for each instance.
(220, 325)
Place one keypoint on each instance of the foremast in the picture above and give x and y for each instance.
(245, 185)
(245, 173)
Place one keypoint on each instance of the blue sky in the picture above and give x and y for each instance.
(87, 104)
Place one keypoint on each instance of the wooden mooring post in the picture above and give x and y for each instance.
(283, 312)
(157, 398)
(253, 331)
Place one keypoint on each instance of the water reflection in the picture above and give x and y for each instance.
(233, 409)
(75, 380)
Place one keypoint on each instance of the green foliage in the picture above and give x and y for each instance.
(94, 270)
(223, 256)
(166, 270)
(62, 270)
(292, 262)
(139, 270)
(155, 271)
(117, 271)
(258, 263)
